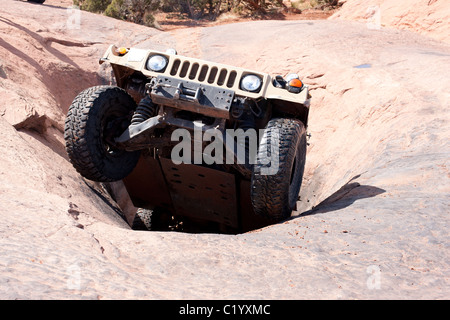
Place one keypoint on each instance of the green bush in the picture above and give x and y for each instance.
(137, 11)
(92, 5)
(141, 11)
(115, 9)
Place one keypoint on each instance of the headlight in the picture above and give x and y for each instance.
(251, 83)
(157, 63)
(171, 51)
(291, 76)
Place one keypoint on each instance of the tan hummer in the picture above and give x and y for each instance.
(198, 145)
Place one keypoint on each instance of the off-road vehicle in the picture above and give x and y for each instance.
(180, 133)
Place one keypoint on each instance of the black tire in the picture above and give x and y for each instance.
(153, 220)
(37, 1)
(274, 193)
(142, 220)
(97, 116)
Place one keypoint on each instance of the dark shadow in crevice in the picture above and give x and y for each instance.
(345, 197)
(105, 197)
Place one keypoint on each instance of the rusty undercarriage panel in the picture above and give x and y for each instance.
(186, 190)
(202, 193)
(146, 185)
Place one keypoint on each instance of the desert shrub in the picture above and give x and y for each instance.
(137, 11)
(92, 5)
(140, 11)
(116, 9)
(309, 4)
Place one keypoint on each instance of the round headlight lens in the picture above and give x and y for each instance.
(156, 63)
(291, 76)
(171, 51)
(251, 83)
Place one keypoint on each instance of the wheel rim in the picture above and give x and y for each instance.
(113, 126)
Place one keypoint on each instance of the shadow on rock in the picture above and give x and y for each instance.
(345, 197)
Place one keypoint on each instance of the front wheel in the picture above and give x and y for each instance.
(278, 172)
(96, 117)
(37, 1)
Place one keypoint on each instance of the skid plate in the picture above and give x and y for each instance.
(202, 193)
(146, 185)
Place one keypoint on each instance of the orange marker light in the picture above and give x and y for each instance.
(296, 83)
(122, 50)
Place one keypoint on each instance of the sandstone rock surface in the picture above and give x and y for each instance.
(427, 17)
(373, 218)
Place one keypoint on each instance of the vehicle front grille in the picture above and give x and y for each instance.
(203, 73)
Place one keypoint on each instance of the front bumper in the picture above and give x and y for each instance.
(200, 98)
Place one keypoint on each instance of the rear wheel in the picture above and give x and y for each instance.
(142, 220)
(278, 172)
(154, 220)
(37, 1)
(96, 117)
